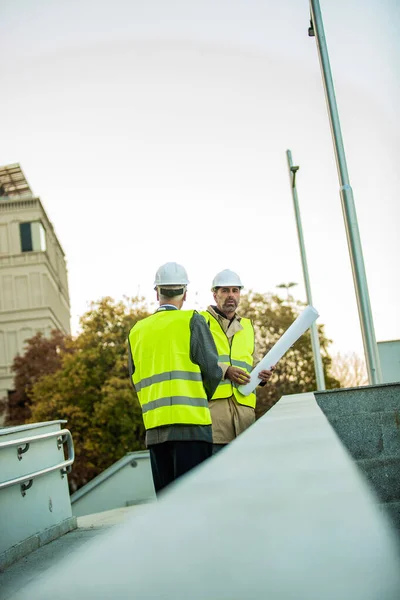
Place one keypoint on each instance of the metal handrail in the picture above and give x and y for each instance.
(65, 467)
(34, 438)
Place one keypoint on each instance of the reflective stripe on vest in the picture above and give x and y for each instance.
(167, 376)
(239, 354)
(225, 358)
(169, 386)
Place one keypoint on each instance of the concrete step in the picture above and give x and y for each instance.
(366, 419)
(368, 435)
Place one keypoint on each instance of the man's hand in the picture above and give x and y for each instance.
(237, 375)
(266, 375)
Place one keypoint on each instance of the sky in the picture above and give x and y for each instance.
(156, 131)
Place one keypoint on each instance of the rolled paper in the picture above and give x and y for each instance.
(290, 337)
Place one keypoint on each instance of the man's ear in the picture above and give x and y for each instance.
(158, 297)
(184, 296)
(215, 296)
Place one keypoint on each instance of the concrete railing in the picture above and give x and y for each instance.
(34, 499)
(127, 482)
(282, 513)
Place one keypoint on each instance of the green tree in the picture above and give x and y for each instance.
(295, 373)
(93, 392)
(42, 356)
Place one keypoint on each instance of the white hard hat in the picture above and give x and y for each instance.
(226, 278)
(171, 274)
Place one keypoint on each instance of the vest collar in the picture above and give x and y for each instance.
(165, 307)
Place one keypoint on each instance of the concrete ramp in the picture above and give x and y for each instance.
(283, 514)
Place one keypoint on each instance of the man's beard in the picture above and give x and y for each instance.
(231, 307)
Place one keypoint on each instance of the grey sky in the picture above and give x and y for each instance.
(157, 131)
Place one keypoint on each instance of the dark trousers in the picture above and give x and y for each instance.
(170, 460)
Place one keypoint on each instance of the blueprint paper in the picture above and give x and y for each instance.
(291, 335)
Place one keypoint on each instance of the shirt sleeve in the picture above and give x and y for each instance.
(203, 353)
(224, 369)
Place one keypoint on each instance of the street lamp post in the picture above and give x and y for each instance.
(348, 206)
(318, 366)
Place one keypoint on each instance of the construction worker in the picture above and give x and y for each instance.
(231, 412)
(173, 365)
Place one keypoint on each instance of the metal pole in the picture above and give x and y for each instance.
(348, 206)
(318, 366)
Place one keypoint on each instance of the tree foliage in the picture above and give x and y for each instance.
(295, 372)
(93, 392)
(42, 356)
(349, 369)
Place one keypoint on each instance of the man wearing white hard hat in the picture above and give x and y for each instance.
(173, 365)
(231, 412)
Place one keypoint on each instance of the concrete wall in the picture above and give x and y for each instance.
(129, 481)
(367, 420)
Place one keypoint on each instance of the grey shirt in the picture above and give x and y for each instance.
(203, 353)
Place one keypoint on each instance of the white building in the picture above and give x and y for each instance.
(33, 275)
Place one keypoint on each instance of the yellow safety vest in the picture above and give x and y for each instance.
(238, 354)
(169, 386)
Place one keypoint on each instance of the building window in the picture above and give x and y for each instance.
(33, 237)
